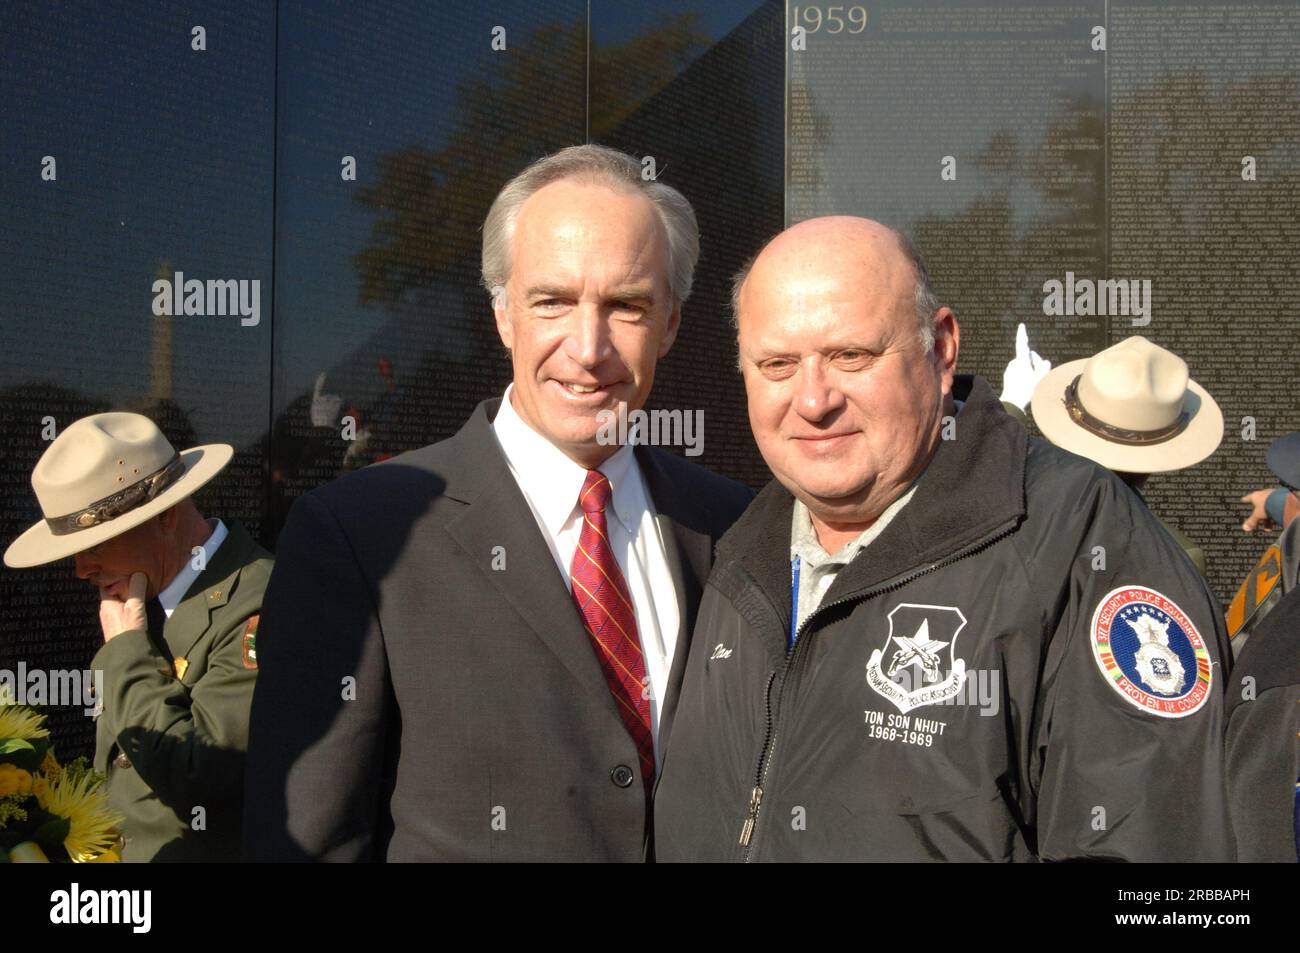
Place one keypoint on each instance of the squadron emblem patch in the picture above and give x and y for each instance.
(250, 642)
(1150, 652)
(917, 665)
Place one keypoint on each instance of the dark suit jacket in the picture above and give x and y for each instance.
(1263, 738)
(427, 689)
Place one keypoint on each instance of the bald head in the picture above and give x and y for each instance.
(845, 396)
(850, 244)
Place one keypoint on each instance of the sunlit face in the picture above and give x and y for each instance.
(587, 311)
(109, 565)
(844, 402)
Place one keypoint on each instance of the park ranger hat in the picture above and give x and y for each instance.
(106, 474)
(1132, 408)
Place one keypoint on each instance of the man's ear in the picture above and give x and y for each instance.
(670, 333)
(501, 312)
(168, 520)
(947, 343)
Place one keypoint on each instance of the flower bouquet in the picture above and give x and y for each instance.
(49, 812)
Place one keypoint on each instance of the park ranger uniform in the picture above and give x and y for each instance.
(1020, 665)
(173, 731)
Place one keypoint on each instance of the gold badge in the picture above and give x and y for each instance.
(181, 665)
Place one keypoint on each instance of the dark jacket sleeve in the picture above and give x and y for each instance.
(185, 743)
(323, 703)
(1263, 738)
(1117, 780)
(1275, 505)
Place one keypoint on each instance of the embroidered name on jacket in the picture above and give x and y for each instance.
(918, 664)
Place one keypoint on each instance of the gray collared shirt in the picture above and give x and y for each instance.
(818, 568)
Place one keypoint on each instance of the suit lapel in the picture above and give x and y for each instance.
(498, 515)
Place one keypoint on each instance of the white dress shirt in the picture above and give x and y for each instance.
(171, 597)
(551, 483)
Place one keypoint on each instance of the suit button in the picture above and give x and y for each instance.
(622, 775)
(122, 761)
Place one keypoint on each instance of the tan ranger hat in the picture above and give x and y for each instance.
(1131, 407)
(106, 474)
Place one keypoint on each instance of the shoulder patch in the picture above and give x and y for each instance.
(1150, 652)
(250, 641)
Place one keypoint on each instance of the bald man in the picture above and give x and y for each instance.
(931, 637)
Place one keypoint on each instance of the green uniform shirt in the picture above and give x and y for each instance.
(173, 732)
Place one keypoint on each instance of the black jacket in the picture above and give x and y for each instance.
(1263, 743)
(1027, 738)
(427, 688)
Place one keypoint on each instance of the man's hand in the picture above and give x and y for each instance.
(1258, 518)
(123, 611)
(324, 407)
(1024, 372)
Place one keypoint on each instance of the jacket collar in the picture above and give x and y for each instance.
(973, 487)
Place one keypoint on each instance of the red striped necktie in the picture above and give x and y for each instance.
(602, 596)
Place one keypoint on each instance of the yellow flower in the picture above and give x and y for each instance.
(50, 766)
(17, 721)
(14, 780)
(84, 803)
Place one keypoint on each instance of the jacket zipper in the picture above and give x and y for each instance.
(769, 741)
(760, 774)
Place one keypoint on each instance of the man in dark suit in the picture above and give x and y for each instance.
(473, 651)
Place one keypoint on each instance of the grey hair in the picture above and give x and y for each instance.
(925, 302)
(599, 164)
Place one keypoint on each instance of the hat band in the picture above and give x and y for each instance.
(123, 501)
(1096, 425)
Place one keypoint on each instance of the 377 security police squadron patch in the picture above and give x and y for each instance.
(917, 666)
(1150, 652)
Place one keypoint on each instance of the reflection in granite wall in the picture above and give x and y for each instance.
(163, 161)
(722, 150)
(1123, 163)
(1194, 88)
(386, 324)
(407, 346)
(1008, 97)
